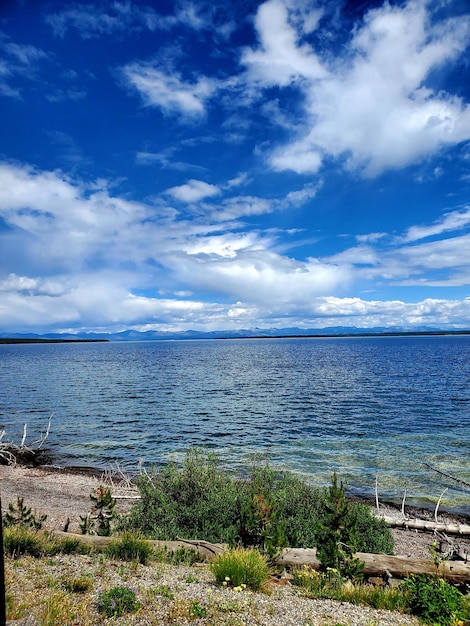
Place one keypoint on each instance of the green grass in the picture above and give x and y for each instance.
(130, 547)
(241, 568)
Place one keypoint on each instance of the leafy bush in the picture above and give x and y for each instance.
(370, 534)
(268, 510)
(199, 501)
(278, 509)
(434, 600)
(239, 567)
(117, 601)
(130, 547)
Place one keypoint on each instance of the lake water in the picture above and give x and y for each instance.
(363, 407)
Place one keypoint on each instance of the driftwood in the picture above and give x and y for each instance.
(31, 454)
(374, 564)
(380, 564)
(206, 549)
(418, 524)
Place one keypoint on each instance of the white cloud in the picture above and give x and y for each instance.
(370, 237)
(259, 275)
(454, 220)
(169, 92)
(281, 59)
(372, 104)
(91, 259)
(193, 191)
(241, 206)
(33, 286)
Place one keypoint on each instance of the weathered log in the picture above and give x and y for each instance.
(206, 549)
(374, 564)
(427, 525)
(380, 564)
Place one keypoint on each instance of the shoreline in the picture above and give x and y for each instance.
(63, 494)
(414, 509)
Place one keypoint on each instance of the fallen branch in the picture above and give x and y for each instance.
(383, 564)
(205, 548)
(418, 524)
(31, 453)
(374, 564)
(457, 480)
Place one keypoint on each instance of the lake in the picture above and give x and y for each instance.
(375, 408)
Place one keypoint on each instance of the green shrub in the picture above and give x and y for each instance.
(117, 601)
(130, 547)
(434, 600)
(370, 534)
(336, 533)
(268, 510)
(278, 509)
(239, 567)
(200, 501)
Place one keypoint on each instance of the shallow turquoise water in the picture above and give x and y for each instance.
(364, 407)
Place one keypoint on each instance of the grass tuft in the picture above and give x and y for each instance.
(241, 568)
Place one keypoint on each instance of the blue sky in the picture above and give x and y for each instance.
(179, 165)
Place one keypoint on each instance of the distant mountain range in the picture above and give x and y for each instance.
(154, 335)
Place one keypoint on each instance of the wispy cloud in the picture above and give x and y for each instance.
(104, 18)
(93, 20)
(169, 91)
(452, 221)
(18, 61)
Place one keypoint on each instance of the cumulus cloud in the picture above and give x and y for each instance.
(373, 104)
(100, 259)
(281, 59)
(193, 191)
(260, 275)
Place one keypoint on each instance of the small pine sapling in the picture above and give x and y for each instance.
(21, 515)
(336, 533)
(99, 519)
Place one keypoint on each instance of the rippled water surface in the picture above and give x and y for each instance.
(365, 407)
